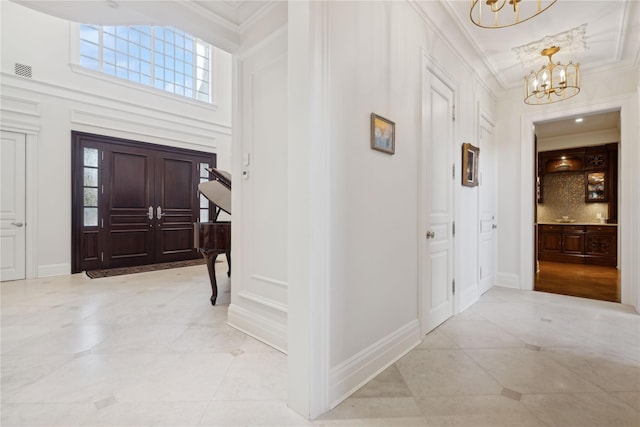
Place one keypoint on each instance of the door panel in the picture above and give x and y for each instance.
(13, 207)
(437, 258)
(128, 194)
(179, 207)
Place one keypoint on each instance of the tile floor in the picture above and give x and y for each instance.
(149, 350)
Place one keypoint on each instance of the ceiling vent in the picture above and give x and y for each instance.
(23, 70)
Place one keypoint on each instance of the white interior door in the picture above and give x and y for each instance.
(487, 241)
(437, 203)
(12, 207)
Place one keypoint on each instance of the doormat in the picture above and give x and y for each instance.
(108, 272)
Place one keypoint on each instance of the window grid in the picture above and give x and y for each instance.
(90, 187)
(162, 57)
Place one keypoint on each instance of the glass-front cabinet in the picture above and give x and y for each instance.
(596, 186)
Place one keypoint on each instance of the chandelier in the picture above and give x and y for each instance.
(553, 82)
(486, 15)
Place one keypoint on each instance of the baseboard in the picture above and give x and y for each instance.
(468, 297)
(353, 373)
(51, 270)
(264, 329)
(508, 280)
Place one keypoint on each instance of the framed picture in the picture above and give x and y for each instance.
(470, 165)
(383, 134)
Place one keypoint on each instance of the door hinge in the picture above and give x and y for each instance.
(453, 229)
(453, 112)
(481, 272)
(101, 222)
(453, 286)
(101, 256)
(102, 155)
(453, 171)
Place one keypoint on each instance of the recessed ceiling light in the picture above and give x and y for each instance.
(579, 120)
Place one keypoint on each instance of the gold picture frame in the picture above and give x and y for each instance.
(470, 156)
(383, 134)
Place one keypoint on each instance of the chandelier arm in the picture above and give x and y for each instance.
(498, 9)
(495, 6)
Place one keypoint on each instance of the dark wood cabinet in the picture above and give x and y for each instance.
(599, 165)
(578, 244)
(569, 160)
(561, 243)
(596, 158)
(601, 245)
(550, 242)
(573, 243)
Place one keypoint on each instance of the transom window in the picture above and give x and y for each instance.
(161, 57)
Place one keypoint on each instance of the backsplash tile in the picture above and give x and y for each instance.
(564, 195)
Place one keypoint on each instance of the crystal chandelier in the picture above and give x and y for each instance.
(486, 14)
(553, 82)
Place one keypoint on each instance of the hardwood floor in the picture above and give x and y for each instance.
(580, 280)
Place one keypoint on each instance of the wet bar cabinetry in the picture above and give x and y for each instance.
(578, 243)
(599, 164)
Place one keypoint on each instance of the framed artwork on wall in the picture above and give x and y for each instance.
(470, 165)
(383, 134)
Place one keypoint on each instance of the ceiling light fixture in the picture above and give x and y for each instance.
(579, 120)
(486, 14)
(553, 82)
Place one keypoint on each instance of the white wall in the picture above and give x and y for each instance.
(259, 293)
(373, 256)
(59, 98)
(514, 137)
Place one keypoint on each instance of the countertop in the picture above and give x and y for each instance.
(576, 223)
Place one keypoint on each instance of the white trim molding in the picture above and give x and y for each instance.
(54, 270)
(367, 364)
(259, 327)
(508, 280)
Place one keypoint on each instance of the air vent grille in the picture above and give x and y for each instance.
(23, 70)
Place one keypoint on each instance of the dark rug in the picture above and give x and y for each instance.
(95, 274)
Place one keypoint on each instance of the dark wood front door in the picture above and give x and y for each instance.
(176, 206)
(128, 194)
(146, 204)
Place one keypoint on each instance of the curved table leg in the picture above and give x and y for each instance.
(211, 256)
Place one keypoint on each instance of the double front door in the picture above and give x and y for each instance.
(134, 203)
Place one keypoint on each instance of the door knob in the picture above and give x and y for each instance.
(150, 212)
(159, 213)
(494, 226)
(431, 234)
(17, 224)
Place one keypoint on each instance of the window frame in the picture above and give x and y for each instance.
(77, 68)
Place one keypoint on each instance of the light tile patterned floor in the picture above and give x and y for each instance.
(149, 350)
